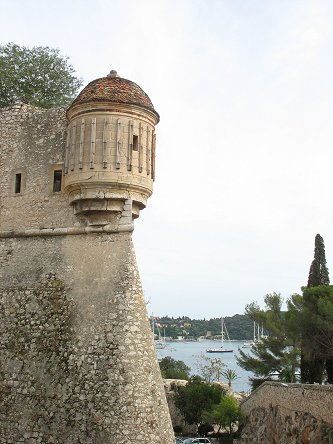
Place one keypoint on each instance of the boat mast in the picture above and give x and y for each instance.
(222, 332)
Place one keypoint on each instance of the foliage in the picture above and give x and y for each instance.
(315, 353)
(195, 398)
(318, 274)
(239, 326)
(38, 76)
(277, 351)
(173, 369)
(317, 332)
(205, 428)
(230, 375)
(304, 331)
(227, 413)
(209, 369)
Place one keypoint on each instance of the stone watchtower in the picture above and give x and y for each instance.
(77, 359)
(110, 150)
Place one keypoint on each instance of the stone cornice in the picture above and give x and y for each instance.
(65, 231)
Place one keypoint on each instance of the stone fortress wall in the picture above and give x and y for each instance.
(76, 363)
(42, 133)
(289, 414)
(77, 359)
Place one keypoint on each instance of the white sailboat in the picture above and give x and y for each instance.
(159, 343)
(249, 344)
(221, 349)
(258, 335)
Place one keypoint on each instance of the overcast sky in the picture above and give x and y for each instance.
(245, 143)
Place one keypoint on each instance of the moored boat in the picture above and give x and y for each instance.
(221, 349)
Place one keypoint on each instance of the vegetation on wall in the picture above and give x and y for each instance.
(39, 76)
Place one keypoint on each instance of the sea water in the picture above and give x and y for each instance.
(191, 353)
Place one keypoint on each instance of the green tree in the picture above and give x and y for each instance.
(318, 274)
(312, 365)
(195, 398)
(277, 351)
(227, 413)
(239, 326)
(230, 375)
(173, 369)
(317, 334)
(38, 76)
(210, 369)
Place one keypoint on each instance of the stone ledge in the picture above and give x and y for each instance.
(67, 231)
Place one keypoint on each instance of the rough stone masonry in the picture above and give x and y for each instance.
(77, 359)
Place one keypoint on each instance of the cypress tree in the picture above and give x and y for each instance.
(312, 366)
(318, 274)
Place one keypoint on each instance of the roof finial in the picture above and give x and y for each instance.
(113, 73)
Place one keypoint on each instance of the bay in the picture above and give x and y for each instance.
(190, 352)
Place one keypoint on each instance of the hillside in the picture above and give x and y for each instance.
(238, 326)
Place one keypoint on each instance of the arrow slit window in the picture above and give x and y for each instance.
(57, 179)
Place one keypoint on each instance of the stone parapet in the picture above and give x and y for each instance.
(288, 414)
(316, 399)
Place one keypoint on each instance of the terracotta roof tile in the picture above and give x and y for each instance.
(114, 89)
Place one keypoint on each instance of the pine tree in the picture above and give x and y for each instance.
(278, 351)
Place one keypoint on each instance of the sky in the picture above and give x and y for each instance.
(244, 146)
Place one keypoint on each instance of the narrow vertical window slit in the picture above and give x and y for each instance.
(57, 178)
(18, 183)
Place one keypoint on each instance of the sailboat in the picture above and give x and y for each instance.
(248, 344)
(158, 343)
(258, 335)
(221, 349)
